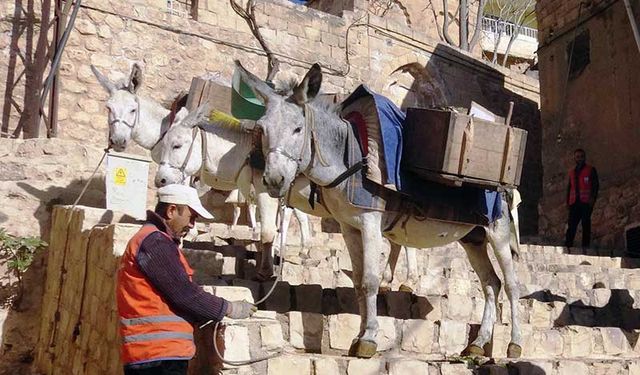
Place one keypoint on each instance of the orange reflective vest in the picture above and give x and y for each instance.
(584, 184)
(149, 329)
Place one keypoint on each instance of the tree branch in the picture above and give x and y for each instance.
(249, 16)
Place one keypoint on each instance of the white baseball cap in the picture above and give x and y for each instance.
(183, 194)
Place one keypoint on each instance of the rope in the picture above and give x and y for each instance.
(281, 209)
(86, 185)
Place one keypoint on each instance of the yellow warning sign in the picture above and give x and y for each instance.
(120, 177)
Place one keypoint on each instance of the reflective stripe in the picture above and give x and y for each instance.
(157, 336)
(152, 319)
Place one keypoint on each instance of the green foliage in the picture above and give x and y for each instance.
(19, 252)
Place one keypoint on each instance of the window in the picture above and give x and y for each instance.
(578, 54)
(632, 239)
(183, 8)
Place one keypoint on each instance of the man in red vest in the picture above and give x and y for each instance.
(158, 302)
(582, 192)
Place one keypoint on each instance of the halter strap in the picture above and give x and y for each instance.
(135, 121)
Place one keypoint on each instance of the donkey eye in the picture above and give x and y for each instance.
(297, 130)
(175, 147)
(132, 111)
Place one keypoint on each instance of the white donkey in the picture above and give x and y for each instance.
(195, 145)
(300, 136)
(145, 122)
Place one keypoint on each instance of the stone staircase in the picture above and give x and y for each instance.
(579, 313)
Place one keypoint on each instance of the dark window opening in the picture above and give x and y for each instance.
(579, 54)
(632, 239)
(183, 8)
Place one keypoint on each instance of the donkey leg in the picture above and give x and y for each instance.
(412, 270)
(267, 208)
(303, 220)
(390, 268)
(251, 210)
(499, 238)
(236, 214)
(353, 241)
(371, 246)
(479, 259)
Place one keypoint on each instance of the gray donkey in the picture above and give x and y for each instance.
(301, 136)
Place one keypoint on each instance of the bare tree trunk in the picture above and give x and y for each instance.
(464, 25)
(496, 43)
(435, 20)
(478, 27)
(514, 36)
(445, 24)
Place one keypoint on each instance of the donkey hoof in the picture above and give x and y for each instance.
(514, 351)
(405, 288)
(363, 349)
(384, 289)
(473, 351)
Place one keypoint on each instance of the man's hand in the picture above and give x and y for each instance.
(240, 309)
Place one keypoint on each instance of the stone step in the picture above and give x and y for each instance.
(417, 339)
(308, 364)
(603, 307)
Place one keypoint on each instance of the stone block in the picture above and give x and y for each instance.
(408, 367)
(293, 273)
(305, 330)
(308, 298)
(452, 337)
(369, 366)
(547, 343)
(237, 343)
(330, 302)
(325, 366)
(289, 365)
(540, 314)
(426, 308)
(343, 280)
(433, 285)
(398, 304)
(347, 301)
(271, 336)
(577, 341)
(417, 336)
(614, 341)
(253, 286)
(459, 307)
(325, 277)
(265, 314)
(280, 298)
(455, 369)
(387, 337)
(343, 328)
(572, 368)
(230, 293)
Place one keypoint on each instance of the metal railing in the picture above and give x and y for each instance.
(499, 26)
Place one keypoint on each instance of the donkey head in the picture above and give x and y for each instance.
(181, 148)
(123, 106)
(285, 135)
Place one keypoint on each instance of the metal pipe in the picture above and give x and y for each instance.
(632, 21)
(56, 60)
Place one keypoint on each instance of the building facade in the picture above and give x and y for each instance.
(589, 86)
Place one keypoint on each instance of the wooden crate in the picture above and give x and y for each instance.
(208, 91)
(458, 149)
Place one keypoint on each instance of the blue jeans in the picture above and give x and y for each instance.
(158, 368)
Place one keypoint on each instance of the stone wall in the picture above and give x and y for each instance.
(593, 109)
(402, 62)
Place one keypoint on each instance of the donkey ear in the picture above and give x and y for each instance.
(259, 87)
(135, 79)
(104, 81)
(309, 87)
(181, 115)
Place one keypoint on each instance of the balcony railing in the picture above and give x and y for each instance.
(498, 26)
